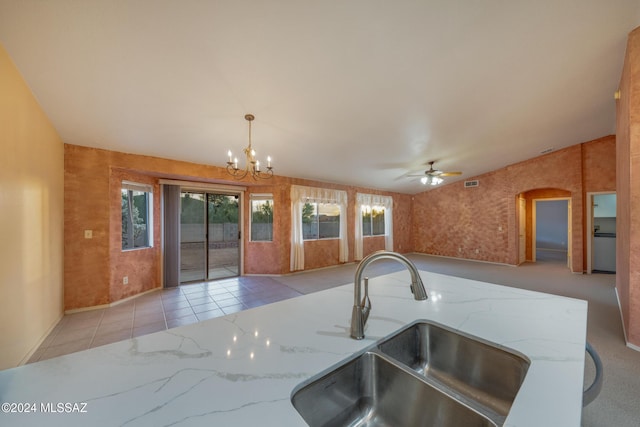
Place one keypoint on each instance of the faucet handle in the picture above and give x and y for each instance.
(366, 302)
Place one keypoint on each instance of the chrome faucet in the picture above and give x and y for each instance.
(362, 307)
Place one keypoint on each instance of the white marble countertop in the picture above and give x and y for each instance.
(240, 369)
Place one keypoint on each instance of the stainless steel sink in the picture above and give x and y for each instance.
(423, 375)
(477, 369)
(370, 390)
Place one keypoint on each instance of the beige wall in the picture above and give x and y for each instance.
(31, 219)
(628, 191)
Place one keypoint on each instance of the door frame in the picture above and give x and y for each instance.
(522, 231)
(534, 203)
(218, 189)
(589, 215)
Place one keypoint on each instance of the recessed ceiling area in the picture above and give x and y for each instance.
(360, 92)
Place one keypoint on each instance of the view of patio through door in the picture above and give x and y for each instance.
(209, 236)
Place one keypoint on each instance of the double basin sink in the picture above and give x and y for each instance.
(425, 374)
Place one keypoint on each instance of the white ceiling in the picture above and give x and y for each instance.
(357, 92)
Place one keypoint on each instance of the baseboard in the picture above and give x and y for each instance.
(262, 275)
(633, 347)
(464, 259)
(113, 304)
(83, 309)
(342, 264)
(35, 348)
(624, 331)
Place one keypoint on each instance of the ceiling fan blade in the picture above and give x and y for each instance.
(450, 173)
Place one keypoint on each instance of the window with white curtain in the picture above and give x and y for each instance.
(327, 206)
(373, 220)
(320, 221)
(370, 224)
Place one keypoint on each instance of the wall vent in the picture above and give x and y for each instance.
(473, 183)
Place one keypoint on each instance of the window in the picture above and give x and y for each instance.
(373, 220)
(261, 218)
(374, 217)
(320, 221)
(313, 212)
(137, 200)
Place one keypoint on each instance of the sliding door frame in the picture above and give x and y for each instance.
(231, 190)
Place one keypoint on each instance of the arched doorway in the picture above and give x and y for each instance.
(544, 226)
(550, 236)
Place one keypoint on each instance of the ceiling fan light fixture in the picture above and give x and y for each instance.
(432, 180)
(434, 176)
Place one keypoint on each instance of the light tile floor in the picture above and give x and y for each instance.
(159, 310)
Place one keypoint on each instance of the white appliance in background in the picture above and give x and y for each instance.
(604, 252)
(604, 236)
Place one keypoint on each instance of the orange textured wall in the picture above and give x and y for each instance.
(94, 268)
(476, 223)
(469, 223)
(562, 170)
(628, 190)
(599, 164)
(480, 223)
(372, 244)
(86, 207)
(140, 266)
(402, 225)
(267, 257)
(321, 253)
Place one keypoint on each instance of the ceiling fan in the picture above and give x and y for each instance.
(434, 176)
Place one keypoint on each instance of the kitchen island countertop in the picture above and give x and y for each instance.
(240, 369)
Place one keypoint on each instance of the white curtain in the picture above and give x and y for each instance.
(301, 195)
(386, 202)
(362, 200)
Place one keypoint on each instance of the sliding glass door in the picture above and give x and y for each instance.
(209, 236)
(224, 236)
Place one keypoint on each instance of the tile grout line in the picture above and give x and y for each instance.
(93, 337)
(133, 320)
(164, 314)
(229, 288)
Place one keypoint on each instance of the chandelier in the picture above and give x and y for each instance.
(252, 166)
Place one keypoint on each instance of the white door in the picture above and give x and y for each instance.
(522, 230)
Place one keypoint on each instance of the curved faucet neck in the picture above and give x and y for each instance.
(362, 305)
